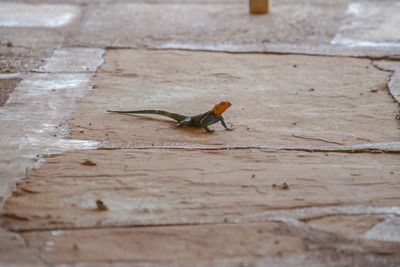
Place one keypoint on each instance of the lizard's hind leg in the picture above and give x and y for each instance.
(185, 122)
(208, 129)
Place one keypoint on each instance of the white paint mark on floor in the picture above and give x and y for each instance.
(394, 84)
(32, 120)
(35, 111)
(320, 49)
(388, 230)
(370, 25)
(74, 60)
(28, 15)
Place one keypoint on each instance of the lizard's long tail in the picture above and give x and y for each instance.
(175, 116)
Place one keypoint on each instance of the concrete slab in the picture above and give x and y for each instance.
(161, 187)
(387, 230)
(14, 252)
(33, 119)
(394, 84)
(309, 27)
(31, 32)
(7, 86)
(32, 122)
(277, 100)
(350, 226)
(217, 23)
(74, 60)
(186, 244)
(42, 15)
(370, 24)
(322, 208)
(259, 244)
(22, 59)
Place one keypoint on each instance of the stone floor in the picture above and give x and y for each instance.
(309, 175)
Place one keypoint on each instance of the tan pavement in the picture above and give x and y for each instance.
(309, 176)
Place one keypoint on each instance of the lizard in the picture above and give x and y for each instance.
(202, 120)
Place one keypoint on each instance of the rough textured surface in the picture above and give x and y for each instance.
(280, 190)
(260, 244)
(166, 244)
(347, 226)
(365, 25)
(27, 36)
(291, 100)
(7, 86)
(394, 84)
(194, 186)
(310, 27)
(74, 60)
(14, 252)
(151, 24)
(31, 121)
(35, 16)
(21, 59)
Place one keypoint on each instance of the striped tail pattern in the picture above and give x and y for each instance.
(175, 116)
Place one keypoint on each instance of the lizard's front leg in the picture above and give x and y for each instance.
(209, 119)
(221, 119)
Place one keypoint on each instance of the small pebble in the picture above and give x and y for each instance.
(101, 205)
(285, 186)
(88, 163)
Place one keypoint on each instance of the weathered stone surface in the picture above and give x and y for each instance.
(39, 15)
(260, 244)
(74, 60)
(201, 206)
(174, 244)
(218, 24)
(21, 59)
(7, 86)
(309, 27)
(387, 230)
(365, 25)
(277, 100)
(31, 32)
(14, 252)
(142, 187)
(347, 226)
(32, 122)
(394, 84)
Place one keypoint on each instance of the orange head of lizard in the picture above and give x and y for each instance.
(221, 107)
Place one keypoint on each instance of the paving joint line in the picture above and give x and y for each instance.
(386, 147)
(300, 214)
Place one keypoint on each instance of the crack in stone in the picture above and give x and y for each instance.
(284, 49)
(317, 139)
(300, 214)
(386, 147)
(394, 80)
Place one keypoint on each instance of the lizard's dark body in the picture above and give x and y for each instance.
(202, 120)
